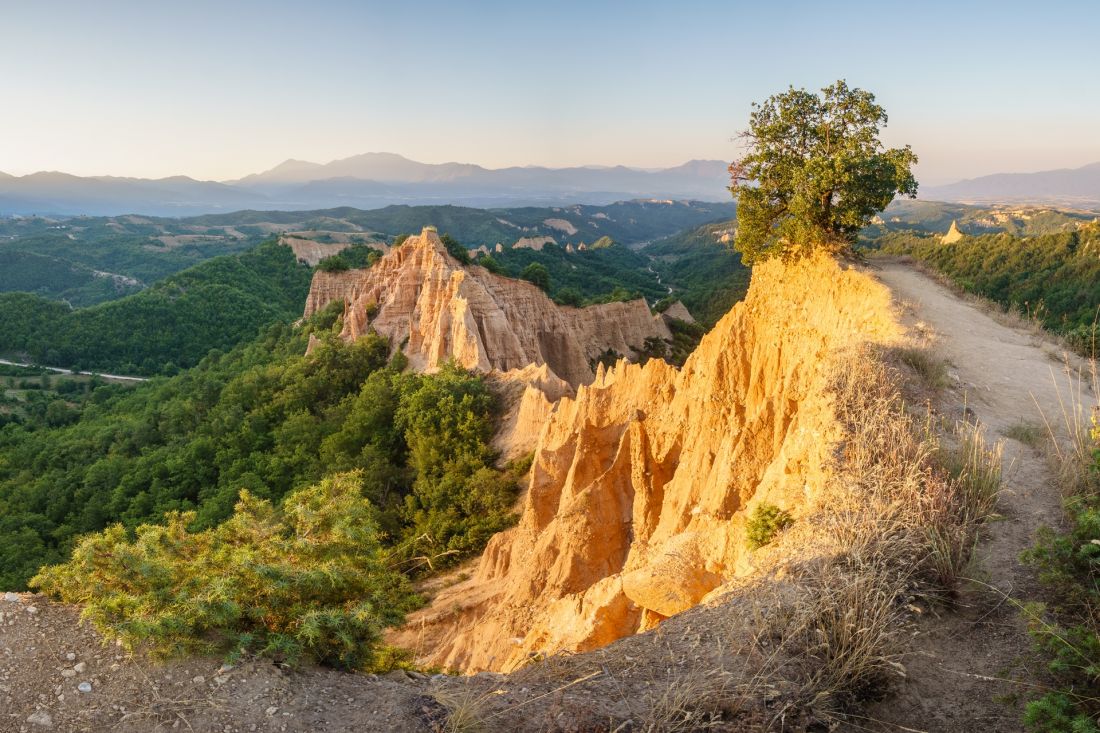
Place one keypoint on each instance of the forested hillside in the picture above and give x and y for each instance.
(171, 325)
(703, 271)
(611, 272)
(269, 418)
(1054, 278)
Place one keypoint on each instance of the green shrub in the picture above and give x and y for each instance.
(456, 249)
(1068, 630)
(765, 522)
(537, 274)
(308, 580)
(489, 263)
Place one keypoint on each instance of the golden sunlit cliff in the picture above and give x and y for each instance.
(641, 484)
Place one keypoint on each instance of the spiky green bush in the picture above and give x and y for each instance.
(765, 522)
(304, 581)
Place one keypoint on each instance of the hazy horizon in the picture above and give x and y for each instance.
(142, 90)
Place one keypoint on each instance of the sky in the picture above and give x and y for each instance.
(218, 90)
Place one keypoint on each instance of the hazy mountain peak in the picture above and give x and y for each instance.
(1063, 186)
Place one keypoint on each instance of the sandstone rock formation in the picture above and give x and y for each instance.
(535, 243)
(953, 234)
(311, 252)
(679, 312)
(425, 302)
(641, 483)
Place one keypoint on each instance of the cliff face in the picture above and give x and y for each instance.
(641, 484)
(423, 298)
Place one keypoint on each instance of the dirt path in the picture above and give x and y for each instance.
(971, 669)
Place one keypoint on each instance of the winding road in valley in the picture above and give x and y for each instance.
(59, 370)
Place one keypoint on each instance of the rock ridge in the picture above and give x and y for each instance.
(436, 309)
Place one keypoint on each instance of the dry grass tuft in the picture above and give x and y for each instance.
(1030, 434)
(467, 709)
(1070, 443)
(691, 701)
(931, 369)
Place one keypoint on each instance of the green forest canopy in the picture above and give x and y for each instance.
(269, 418)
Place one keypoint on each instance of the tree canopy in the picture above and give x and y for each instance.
(815, 172)
(537, 273)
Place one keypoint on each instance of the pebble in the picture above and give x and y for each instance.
(68, 673)
(198, 679)
(42, 718)
(79, 667)
(32, 610)
(12, 597)
(84, 687)
(271, 710)
(70, 656)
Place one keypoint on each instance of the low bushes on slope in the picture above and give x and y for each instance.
(306, 580)
(1067, 629)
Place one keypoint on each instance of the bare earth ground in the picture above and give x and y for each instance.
(971, 669)
(968, 669)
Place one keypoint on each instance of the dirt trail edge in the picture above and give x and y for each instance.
(972, 668)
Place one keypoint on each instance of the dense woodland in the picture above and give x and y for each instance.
(596, 275)
(1053, 278)
(268, 418)
(167, 327)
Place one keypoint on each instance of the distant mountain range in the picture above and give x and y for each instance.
(1072, 187)
(364, 181)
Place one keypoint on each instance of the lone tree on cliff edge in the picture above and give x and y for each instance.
(815, 173)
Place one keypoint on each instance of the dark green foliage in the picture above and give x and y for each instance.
(306, 581)
(685, 337)
(592, 274)
(58, 279)
(455, 249)
(489, 263)
(1054, 277)
(355, 257)
(765, 522)
(124, 246)
(815, 172)
(458, 501)
(537, 274)
(570, 296)
(1057, 712)
(214, 305)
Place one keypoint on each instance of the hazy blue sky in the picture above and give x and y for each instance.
(222, 89)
